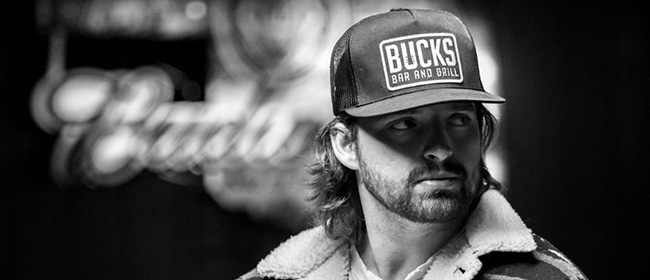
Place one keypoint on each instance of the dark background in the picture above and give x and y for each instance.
(574, 130)
(576, 127)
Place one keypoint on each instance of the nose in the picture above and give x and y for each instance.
(437, 147)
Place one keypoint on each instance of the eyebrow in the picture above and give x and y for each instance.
(399, 114)
(455, 106)
(463, 106)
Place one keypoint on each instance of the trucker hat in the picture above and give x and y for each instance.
(403, 59)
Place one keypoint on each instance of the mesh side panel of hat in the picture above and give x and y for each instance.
(343, 85)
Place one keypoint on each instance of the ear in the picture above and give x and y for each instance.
(344, 148)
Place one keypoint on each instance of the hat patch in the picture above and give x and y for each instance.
(421, 59)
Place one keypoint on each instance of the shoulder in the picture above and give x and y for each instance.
(253, 275)
(545, 262)
(307, 253)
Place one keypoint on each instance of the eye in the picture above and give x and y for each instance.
(460, 120)
(403, 124)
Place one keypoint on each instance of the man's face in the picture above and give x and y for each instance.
(422, 164)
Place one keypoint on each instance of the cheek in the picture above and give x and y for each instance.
(472, 151)
(378, 155)
(472, 159)
(467, 143)
(469, 152)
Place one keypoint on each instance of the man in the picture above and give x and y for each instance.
(401, 187)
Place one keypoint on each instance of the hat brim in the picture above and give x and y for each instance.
(422, 98)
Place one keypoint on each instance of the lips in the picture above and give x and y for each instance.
(443, 177)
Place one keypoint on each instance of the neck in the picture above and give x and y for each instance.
(393, 246)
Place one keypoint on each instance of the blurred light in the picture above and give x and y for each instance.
(132, 107)
(80, 98)
(491, 78)
(113, 151)
(41, 99)
(126, 18)
(489, 70)
(275, 42)
(264, 103)
(497, 166)
(195, 10)
(219, 144)
(139, 92)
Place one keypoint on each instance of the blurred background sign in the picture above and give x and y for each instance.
(147, 112)
(223, 96)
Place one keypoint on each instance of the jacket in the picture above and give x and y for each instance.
(496, 244)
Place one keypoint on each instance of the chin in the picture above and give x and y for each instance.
(438, 209)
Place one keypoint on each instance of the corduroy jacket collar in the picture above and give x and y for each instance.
(493, 226)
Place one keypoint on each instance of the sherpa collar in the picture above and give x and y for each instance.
(493, 226)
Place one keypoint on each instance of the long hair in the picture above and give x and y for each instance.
(335, 193)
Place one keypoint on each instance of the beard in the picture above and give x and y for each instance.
(436, 206)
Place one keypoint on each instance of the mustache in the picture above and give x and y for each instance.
(432, 169)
